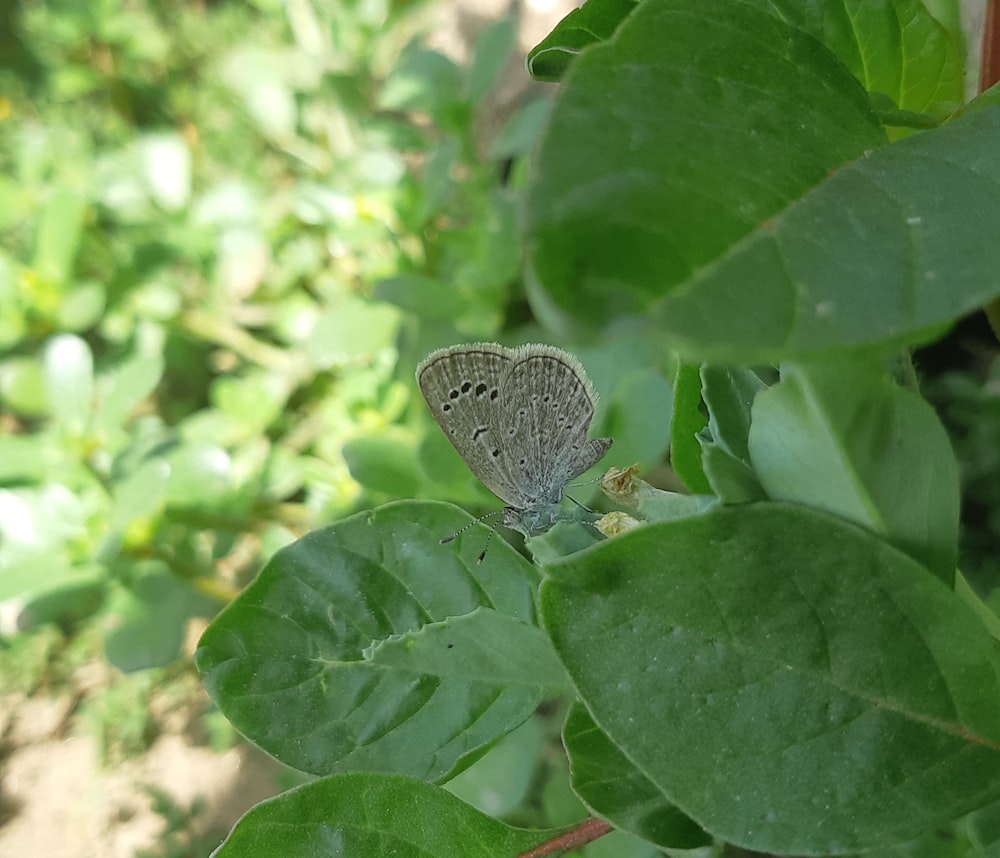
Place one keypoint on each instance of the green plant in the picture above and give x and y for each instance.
(213, 249)
(790, 664)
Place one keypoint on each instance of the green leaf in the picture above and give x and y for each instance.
(612, 787)
(367, 815)
(352, 331)
(803, 686)
(518, 135)
(565, 537)
(886, 251)
(511, 651)
(489, 57)
(423, 79)
(122, 391)
(80, 306)
(842, 437)
(686, 422)
(139, 493)
(57, 237)
(25, 458)
(720, 116)
(383, 463)
(638, 416)
(895, 47)
(729, 394)
(65, 596)
(732, 479)
(148, 620)
(501, 780)
(69, 381)
(295, 663)
(22, 386)
(200, 473)
(593, 22)
(165, 161)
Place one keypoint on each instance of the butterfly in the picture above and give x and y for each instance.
(519, 418)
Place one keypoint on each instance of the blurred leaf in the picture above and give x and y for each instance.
(64, 595)
(382, 463)
(519, 134)
(24, 458)
(22, 386)
(294, 661)
(166, 164)
(121, 391)
(639, 417)
(12, 321)
(57, 237)
(200, 473)
(490, 56)
(427, 297)
(148, 620)
(353, 330)
(139, 494)
(81, 306)
(253, 401)
(260, 77)
(37, 520)
(69, 381)
(422, 80)
(416, 820)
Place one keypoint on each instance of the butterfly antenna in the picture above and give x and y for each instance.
(486, 547)
(577, 485)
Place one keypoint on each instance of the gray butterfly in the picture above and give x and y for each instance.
(519, 419)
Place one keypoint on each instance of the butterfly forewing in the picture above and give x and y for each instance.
(462, 388)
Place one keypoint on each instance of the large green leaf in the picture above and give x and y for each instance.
(673, 141)
(613, 787)
(842, 437)
(886, 251)
(788, 680)
(366, 815)
(366, 646)
(746, 197)
(897, 48)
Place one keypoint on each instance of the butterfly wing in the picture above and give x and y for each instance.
(550, 405)
(462, 386)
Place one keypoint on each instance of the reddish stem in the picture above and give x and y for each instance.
(989, 74)
(989, 64)
(587, 831)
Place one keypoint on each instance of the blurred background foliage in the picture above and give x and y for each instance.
(228, 232)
